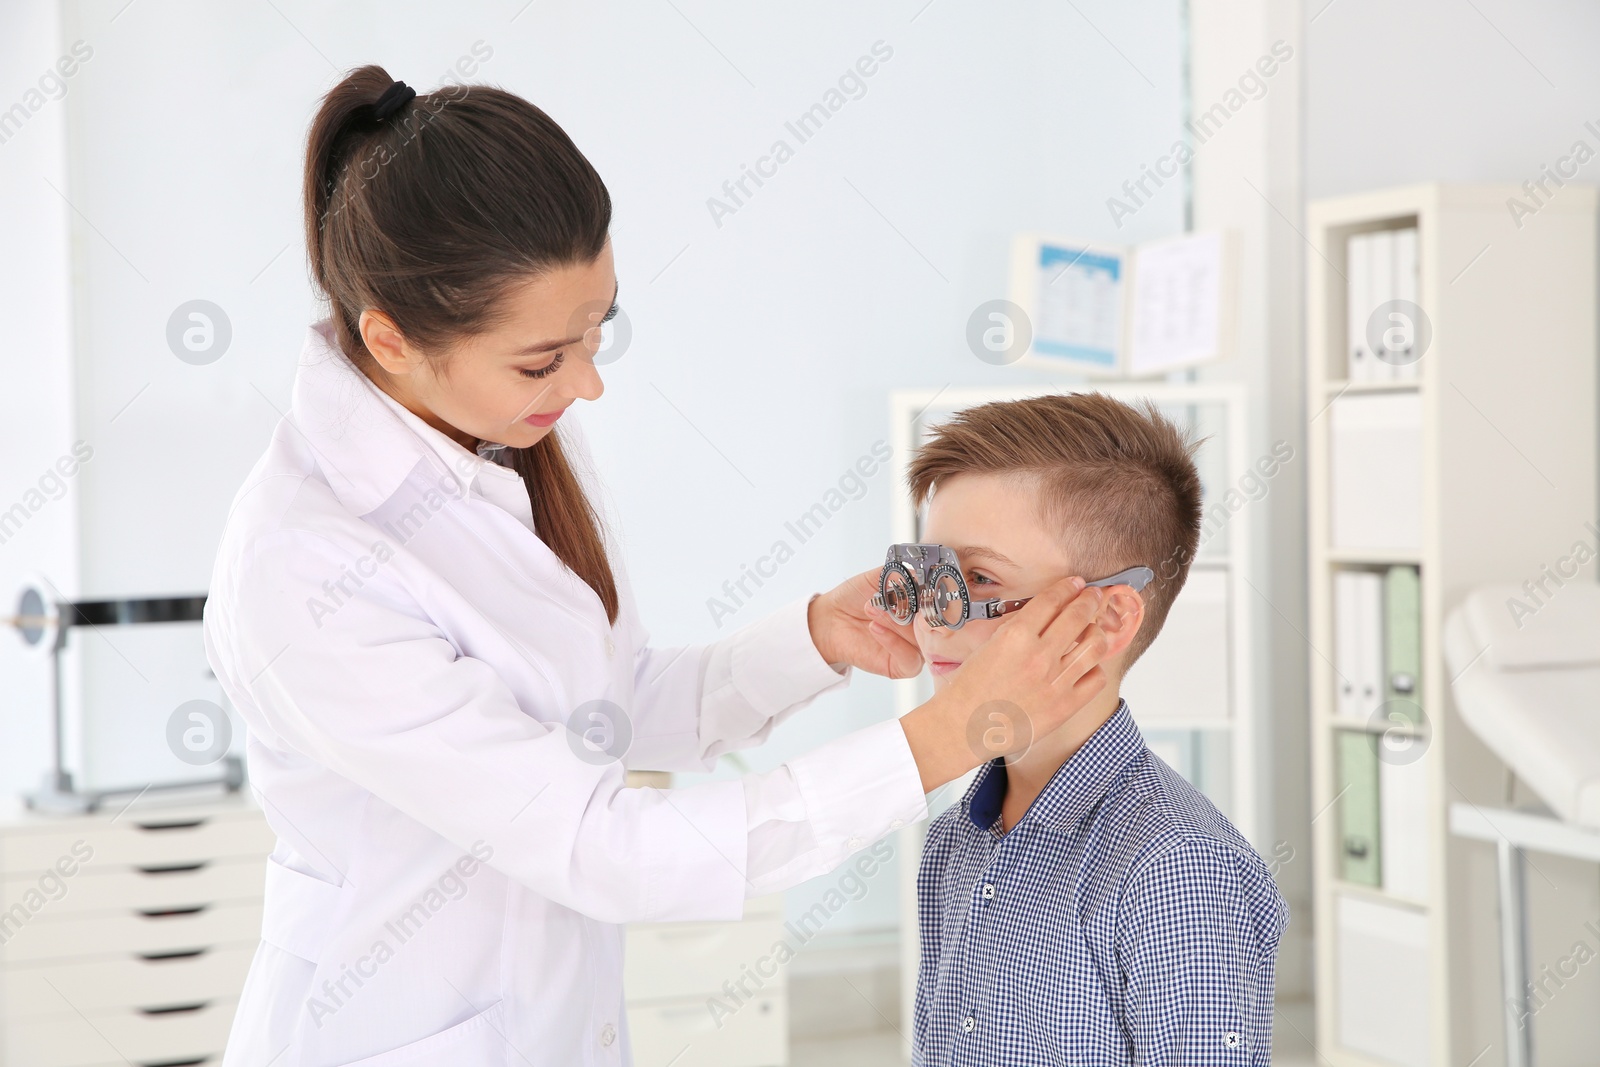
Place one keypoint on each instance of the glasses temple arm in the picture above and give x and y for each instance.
(1135, 577)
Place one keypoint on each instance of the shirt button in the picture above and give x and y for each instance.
(608, 1034)
(1232, 1040)
(968, 1025)
(988, 891)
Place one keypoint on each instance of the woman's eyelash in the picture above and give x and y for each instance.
(611, 314)
(548, 368)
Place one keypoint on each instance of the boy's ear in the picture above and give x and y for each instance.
(1121, 615)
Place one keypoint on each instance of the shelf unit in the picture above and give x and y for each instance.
(1229, 753)
(1507, 392)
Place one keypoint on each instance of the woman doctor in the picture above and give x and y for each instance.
(416, 611)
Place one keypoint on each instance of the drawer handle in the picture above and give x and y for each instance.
(176, 1063)
(175, 824)
(173, 868)
(172, 913)
(176, 1009)
(180, 954)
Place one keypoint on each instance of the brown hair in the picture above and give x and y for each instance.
(1120, 480)
(430, 214)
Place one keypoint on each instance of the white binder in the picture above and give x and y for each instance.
(1380, 282)
(1369, 643)
(1403, 819)
(1405, 286)
(1347, 664)
(1358, 306)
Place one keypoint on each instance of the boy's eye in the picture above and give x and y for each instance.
(548, 368)
(979, 578)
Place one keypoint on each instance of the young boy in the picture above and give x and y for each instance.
(1082, 903)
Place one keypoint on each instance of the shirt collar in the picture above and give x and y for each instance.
(1076, 787)
(366, 442)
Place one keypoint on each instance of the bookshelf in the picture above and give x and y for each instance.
(1218, 750)
(1507, 395)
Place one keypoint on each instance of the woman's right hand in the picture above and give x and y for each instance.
(1041, 666)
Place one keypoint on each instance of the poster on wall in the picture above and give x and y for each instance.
(1127, 312)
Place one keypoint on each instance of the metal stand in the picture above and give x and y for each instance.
(1514, 954)
(43, 622)
(56, 794)
(1512, 833)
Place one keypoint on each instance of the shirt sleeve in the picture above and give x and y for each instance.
(694, 703)
(1197, 941)
(808, 816)
(376, 693)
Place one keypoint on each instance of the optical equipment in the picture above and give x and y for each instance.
(43, 623)
(927, 579)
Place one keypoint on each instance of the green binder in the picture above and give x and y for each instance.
(1402, 654)
(1357, 790)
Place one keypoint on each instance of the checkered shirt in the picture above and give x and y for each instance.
(1122, 920)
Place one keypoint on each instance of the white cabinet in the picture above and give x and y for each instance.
(125, 937)
(712, 994)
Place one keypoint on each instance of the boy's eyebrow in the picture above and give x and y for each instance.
(984, 551)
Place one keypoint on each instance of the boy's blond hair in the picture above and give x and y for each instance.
(1118, 480)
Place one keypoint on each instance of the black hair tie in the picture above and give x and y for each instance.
(393, 99)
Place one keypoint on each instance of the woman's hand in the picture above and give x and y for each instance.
(1038, 669)
(846, 628)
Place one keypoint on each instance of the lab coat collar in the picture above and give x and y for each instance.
(366, 443)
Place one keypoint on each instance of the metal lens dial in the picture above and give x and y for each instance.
(945, 597)
(897, 592)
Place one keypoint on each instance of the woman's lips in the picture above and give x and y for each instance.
(547, 419)
(942, 666)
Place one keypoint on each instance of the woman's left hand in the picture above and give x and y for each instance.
(847, 629)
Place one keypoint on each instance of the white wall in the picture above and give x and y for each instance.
(1248, 57)
(1429, 90)
(36, 423)
(763, 348)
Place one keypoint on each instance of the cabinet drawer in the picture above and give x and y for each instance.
(126, 1037)
(148, 886)
(118, 933)
(683, 1033)
(131, 982)
(674, 959)
(167, 837)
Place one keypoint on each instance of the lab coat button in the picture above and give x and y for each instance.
(608, 1034)
(611, 648)
(855, 843)
(896, 824)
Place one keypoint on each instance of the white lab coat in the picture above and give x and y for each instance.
(450, 875)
